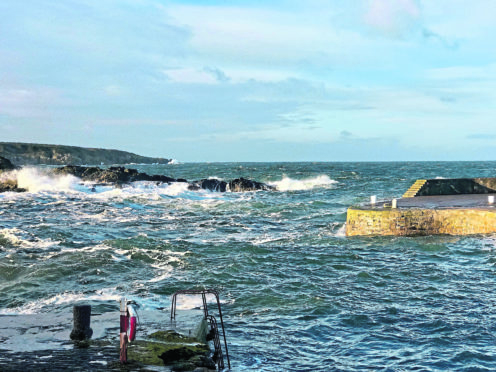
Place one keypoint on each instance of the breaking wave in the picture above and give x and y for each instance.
(35, 180)
(15, 237)
(290, 184)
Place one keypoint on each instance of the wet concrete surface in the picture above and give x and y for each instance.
(476, 201)
(40, 342)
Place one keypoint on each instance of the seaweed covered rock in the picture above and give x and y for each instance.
(181, 353)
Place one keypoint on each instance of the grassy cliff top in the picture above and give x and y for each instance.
(34, 153)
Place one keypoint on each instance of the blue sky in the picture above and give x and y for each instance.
(334, 80)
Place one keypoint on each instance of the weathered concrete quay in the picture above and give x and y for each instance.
(430, 207)
(41, 342)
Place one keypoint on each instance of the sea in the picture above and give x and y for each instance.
(296, 293)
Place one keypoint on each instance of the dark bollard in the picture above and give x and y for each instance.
(82, 317)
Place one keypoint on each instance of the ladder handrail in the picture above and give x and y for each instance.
(203, 293)
(217, 347)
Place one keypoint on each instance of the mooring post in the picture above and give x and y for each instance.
(82, 318)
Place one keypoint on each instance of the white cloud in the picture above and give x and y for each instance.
(461, 19)
(191, 76)
(26, 103)
(463, 72)
(393, 17)
(256, 36)
(113, 90)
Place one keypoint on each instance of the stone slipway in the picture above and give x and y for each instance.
(464, 212)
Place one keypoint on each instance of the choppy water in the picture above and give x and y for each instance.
(297, 294)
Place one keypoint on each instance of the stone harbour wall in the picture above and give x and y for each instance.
(411, 222)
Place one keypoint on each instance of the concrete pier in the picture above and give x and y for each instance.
(452, 210)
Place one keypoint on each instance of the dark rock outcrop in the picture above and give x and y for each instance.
(120, 175)
(8, 184)
(242, 184)
(6, 164)
(212, 185)
(110, 175)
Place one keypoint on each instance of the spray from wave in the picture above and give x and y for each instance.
(35, 180)
(290, 184)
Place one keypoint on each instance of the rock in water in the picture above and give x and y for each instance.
(213, 185)
(121, 175)
(8, 184)
(117, 175)
(6, 164)
(242, 184)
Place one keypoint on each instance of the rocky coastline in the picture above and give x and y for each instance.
(36, 154)
(122, 175)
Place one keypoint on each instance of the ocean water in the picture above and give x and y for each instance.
(297, 295)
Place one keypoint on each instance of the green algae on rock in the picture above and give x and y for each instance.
(172, 349)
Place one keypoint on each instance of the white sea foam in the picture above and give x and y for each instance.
(152, 191)
(37, 306)
(89, 249)
(14, 237)
(165, 272)
(37, 180)
(11, 235)
(290, 184)
(174, 189)
(341, 232)
(190, 302)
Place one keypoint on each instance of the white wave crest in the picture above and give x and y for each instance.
(37, 180)
(148, 190)
(14, 237)
(290, 184)
(10, 235)
(341, 232)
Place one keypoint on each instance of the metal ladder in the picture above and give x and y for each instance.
(218, 354)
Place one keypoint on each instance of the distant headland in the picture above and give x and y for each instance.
(34, 154)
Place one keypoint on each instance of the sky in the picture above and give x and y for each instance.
(336, 80)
